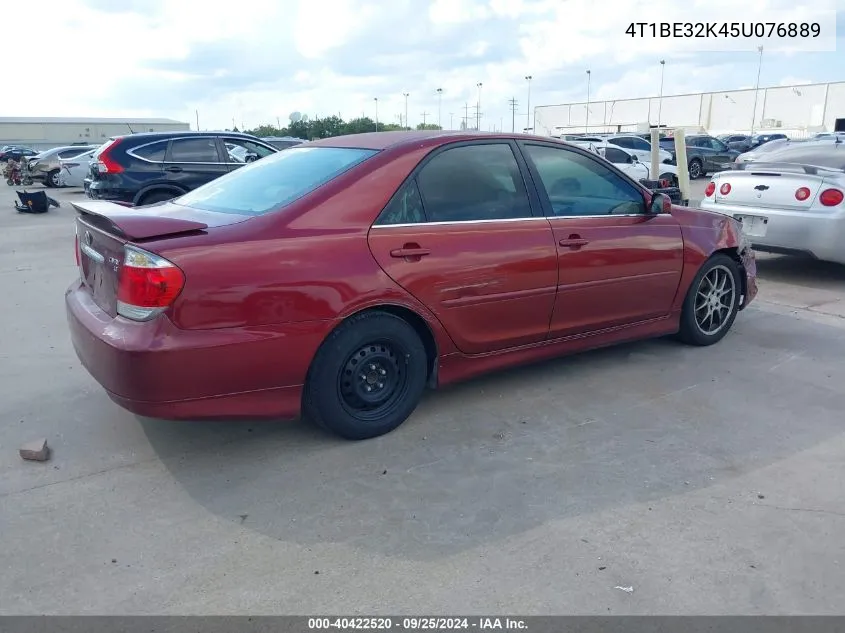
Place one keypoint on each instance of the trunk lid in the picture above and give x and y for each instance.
(103, 228)
(771, 186)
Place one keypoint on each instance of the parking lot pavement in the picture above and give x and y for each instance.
(709, 480)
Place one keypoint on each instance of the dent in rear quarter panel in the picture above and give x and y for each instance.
(704, 233)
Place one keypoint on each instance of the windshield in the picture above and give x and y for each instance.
(274, 181)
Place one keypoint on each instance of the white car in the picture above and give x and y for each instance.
(72, 171)
(792, 201)
(629, 162)
(632, 143)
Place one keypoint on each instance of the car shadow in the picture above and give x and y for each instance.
(500, 455)
(803, 271)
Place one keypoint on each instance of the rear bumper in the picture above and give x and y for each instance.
(155, 369)
(820, 236)
(98, 190)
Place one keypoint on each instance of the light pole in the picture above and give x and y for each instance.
(478, 110)
(528, 125)
(587, 120)
(405, 94)
(660, 101)
(451, 114)
(376, 100)
(439, 107)
(757, 89)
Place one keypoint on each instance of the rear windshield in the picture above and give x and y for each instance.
(274, 181)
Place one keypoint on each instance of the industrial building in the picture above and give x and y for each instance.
(798, 111)
(44, 133)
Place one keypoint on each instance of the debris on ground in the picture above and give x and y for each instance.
(625, 589)
(35, 451)
(761, 496)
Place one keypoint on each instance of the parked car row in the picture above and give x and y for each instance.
(15, 153)
(145, 168)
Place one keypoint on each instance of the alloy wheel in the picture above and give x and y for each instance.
(715, 300)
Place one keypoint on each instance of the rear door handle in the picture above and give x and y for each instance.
(408, 251)
(574, 242)
(173, 168)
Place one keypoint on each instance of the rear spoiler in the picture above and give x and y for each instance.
(812, 170)
(131, 223)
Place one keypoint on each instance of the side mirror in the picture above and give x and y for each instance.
(633, 158)
(660, 203)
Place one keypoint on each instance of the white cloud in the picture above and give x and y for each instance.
(258, 61)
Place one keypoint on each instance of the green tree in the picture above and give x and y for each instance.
(360, 125)
(299, 129)
(428, 126)
(266, 130)
(326, 127)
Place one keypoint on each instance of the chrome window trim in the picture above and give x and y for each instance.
(174, 162)
(132, 153)
(549, 218)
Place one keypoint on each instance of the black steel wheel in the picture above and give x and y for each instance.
(367, 377)
(712, 301)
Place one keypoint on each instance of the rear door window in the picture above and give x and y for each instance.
(617, 155)
(474, 182)
(194, 150)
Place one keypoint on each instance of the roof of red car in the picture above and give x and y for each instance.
(383, 140)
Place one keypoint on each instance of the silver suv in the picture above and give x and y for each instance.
(44, 167)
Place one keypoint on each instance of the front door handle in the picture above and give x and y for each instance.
(410, 252)
(574, 242)
(173, 168)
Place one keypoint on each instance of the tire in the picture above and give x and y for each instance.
(694, 325)
(696, 169)
(336, 394)
(10, 182)
(156, 196)
(52, 179)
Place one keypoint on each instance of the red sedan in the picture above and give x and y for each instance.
(341, 278)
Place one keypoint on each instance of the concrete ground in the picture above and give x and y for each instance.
(711, 481)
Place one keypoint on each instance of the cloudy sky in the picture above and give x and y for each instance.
(257, 60)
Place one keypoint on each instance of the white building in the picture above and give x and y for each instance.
(44, 133)
(794, 110)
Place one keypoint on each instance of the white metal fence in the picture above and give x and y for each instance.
(799, 111)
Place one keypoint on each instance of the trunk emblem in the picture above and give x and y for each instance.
(761, 187)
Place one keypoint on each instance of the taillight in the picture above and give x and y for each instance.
(711, 187)
(105, 163)
(76, 249)
(725, 189)
(802, 194)
(148, 284)
(831, 197)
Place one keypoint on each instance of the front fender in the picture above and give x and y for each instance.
(705, 233)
